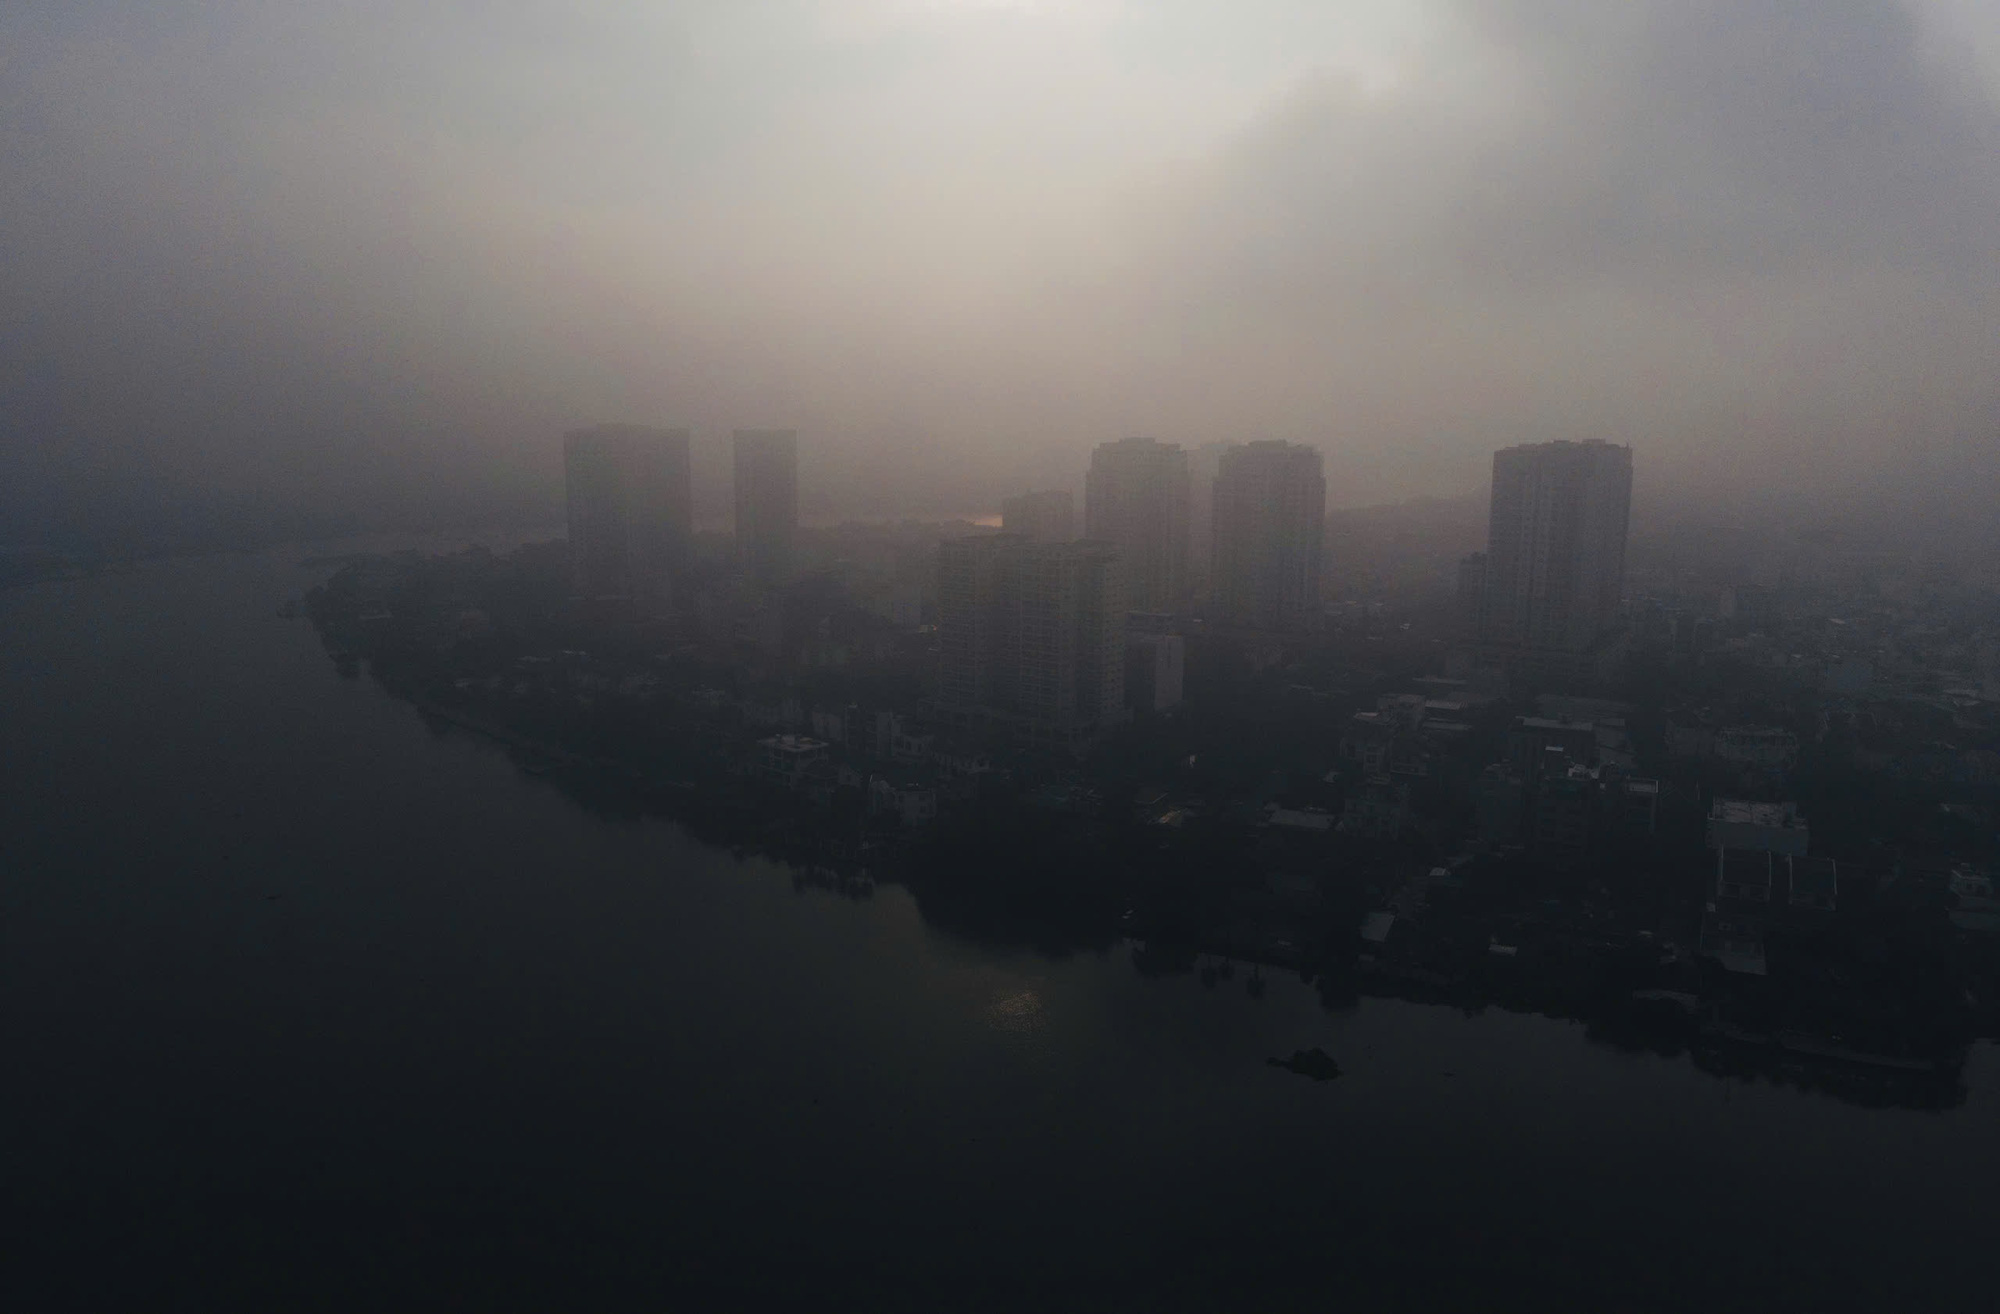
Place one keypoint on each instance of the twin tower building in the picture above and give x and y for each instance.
(631, 507)
(1053, 634)
(1256, 542)
(1240, 528)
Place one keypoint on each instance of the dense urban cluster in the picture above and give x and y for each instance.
(1730, 793)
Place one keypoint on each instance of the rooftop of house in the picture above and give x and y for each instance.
(799, 744)
(1550, 723)
(1748, 813)
(1298, 818)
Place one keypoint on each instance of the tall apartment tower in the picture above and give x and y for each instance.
(1047, 517)
(1030, 634)
(1203, 462)
(1555, 546)
(1269, 520)
(767, 503)
(630, 510)
(1136, 498)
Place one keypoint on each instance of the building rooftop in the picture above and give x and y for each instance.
(1299, 819)
(1744, 812)
(1754, 732)
(1550, 723)
(793, 744)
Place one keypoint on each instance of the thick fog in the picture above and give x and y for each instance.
(374, 257)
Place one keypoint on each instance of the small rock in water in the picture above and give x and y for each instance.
(1314, 1063)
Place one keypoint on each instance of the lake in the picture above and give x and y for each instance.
(307, 1004)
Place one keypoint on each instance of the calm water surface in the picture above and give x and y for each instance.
(307, 1006)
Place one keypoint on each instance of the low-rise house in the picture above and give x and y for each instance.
(1757, 751)
(1378, 810)
(1766, 827)
(902, 740)
(1637, 806)
(1299, 819)
(1690, 736)
(1973, 905)
(955, 763)
(1563, 808)
(774, 710)
(836, 725)
(1535, 740)
(912, 802)
(1500, 802)
(1782, 886)
(1065, 796)
(1743, 876)
(784, 759)
(912, 746)
(1403, 736)
(819, 781)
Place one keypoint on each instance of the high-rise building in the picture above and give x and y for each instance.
(767, 503)
(1270, 531)
(1155, 669)
(1555, 547)
(630, 511)
(1030, 634)
(1046, 517)
(969, 620)
(1136, 498)
(1203, 463)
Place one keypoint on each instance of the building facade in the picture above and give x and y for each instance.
(1555, 547)
(1155, 670)
(1136, 498)
(630, 510)
(1046, 517)
(1031, 634)
(1760, 827)
(1204, 461)
(767, 503)
(1269, 520)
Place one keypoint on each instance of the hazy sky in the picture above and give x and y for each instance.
(342, 249)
